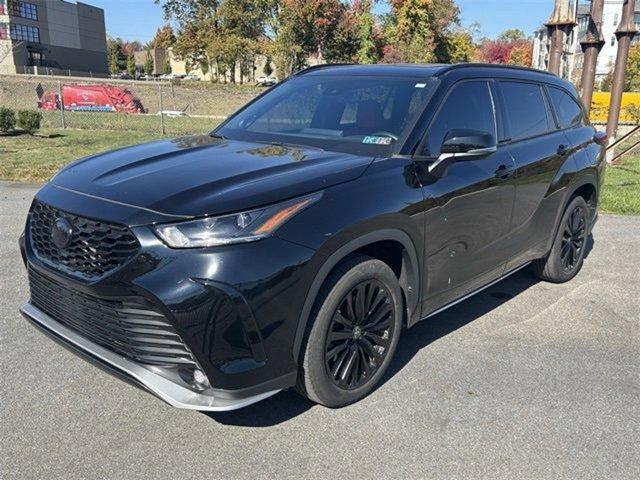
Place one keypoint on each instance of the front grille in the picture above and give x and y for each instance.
(128, 326)
(96, 247)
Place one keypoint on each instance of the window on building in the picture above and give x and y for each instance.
(567, 109)
(526, 111)
(25, 33)
(615, 20)
(28, 10)
(613, 41)
(3, 7)
(3, 31)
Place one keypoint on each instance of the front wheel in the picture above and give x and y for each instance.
(353, 333)
(566, 257)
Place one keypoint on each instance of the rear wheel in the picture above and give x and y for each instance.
(353, 332)
(566, 257)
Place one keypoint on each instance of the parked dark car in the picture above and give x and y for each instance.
(292, 245)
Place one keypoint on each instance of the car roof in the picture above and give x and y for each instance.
(458, 70)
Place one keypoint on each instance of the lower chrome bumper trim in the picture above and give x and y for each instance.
(172, 393)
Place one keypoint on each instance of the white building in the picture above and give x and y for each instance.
(573, 56)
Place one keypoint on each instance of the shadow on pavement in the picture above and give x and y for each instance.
(287, 405)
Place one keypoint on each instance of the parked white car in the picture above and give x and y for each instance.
(265, 81)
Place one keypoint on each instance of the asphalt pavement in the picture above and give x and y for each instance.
(527, 380)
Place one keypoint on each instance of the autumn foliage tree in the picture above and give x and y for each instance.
(511, 47)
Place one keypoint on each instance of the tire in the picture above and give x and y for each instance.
(566, 257)
(343, 333)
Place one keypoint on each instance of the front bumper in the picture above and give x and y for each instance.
(236, 308)
(172, 393)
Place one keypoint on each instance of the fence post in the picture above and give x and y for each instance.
(161, 111)
(61, 99)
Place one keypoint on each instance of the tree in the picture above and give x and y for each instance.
(521, 53)
(115, 56)
(131, 65)
(511, 48)
(196, 25)
(304, 28)
(345, 41)
(367, 51)
(460, 47)
(164, 37)
(420, 28)
(148, 63)
(511, 35)
(632, 75)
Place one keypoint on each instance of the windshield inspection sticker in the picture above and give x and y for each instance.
(377, 140)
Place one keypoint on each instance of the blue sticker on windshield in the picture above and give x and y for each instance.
(377, 140)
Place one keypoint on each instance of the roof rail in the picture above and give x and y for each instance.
(457, 66)
(320, 66)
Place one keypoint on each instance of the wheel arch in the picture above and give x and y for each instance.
(383, 244)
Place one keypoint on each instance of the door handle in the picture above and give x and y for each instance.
(504, 171)
(562, 150)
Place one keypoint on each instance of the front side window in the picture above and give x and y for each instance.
(354, 114)
(18, 8)
(525, 109)
(468, 106)
(26, 33)
(567, 109)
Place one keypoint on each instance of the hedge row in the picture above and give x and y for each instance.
(26, 120)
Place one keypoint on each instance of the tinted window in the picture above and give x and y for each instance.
(468, 106)
(525, 109)
(357, 115)
(568, 111)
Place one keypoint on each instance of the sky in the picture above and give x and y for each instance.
(139, 19)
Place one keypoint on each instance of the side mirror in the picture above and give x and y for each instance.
(459, 144)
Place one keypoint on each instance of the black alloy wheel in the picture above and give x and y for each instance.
(568, 250)
(359, 335)
(573, 239)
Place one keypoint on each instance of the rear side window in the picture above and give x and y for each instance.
(525, 110)
(568, 111)
(468, 106)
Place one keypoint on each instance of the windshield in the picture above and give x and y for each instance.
(355, 114)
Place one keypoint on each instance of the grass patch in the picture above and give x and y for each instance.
(38, 158)
(621, 193)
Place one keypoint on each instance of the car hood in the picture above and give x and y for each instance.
(204, 175)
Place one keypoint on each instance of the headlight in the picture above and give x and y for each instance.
(235, 228)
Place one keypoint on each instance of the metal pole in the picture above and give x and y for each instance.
(625, 33)
(161, 111)
(61, 100)
(559, 27)
(591, 46)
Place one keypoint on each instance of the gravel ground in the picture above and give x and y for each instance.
(526, 380)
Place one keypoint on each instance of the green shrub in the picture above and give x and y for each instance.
(7, 119)
(29, 120)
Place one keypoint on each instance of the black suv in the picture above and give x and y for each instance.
(293, 244)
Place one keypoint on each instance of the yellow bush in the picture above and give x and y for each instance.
(600, 106)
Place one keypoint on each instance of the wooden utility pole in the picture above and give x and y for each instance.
(591, 46)
(625, 33)
(559, 27)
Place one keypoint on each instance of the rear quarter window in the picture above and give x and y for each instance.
(525, 110)
(567, 109)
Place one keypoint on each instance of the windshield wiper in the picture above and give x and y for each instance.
(217, 135)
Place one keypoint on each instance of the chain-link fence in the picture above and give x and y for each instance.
(167, 108)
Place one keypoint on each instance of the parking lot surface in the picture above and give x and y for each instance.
(527, 380)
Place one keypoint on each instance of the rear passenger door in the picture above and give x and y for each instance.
(539, 150)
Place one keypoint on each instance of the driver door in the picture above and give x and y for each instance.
(468, 209)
